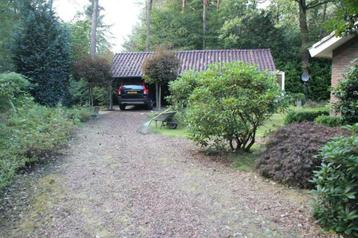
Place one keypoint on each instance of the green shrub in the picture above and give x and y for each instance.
(181, 89)
(336, 204)
(12, 90)
(30, 132)
(290, 155)
(230, 103)
(301, 115)
(347, 93)
(29, 135)
(329, 120)
(79, 114)
(79, 94)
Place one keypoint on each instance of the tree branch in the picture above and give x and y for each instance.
(317, 3)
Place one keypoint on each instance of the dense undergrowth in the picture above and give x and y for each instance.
(30, 132)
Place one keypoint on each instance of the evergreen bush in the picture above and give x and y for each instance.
(304, 114)
(329, 120)
(336, 186)
(230, 103)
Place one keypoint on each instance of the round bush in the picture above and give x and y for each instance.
(290, 155)
(230, 103)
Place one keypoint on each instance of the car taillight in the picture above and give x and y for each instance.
(119, 90)
(146, 90)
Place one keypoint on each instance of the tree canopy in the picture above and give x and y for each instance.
(247, 24)
(159, 69)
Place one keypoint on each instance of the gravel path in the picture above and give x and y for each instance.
(114, 182)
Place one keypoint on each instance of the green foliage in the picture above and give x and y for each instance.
(255, 30)
(80, 39)
(32, 134)
(79, 93)
(346, 17)
(297, 96)
(161, 68)
(290, 154)
(78, 114)
(181, 89)
(229, 105)
(336, 205)
(177, 29)
(9, 21)
(12, 91)
(100, 96)
(304, 114)
(80, 31)
(78, 90)
(347, 93)
(319, 84)
(41, 52)
(95, 72)
(241, 24)
(329, 120)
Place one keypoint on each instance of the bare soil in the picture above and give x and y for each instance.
(114, 182)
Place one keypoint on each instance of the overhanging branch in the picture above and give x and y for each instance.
(317, 3)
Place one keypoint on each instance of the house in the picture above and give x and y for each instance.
(129, 65)
(341, 50)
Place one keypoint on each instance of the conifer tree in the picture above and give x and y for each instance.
(41, 52)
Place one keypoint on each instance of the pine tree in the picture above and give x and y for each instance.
(41, 52)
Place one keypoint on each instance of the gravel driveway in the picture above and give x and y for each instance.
(114, 182)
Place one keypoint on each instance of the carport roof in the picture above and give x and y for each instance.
(129, 64)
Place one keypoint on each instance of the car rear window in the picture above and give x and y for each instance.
(131, 86)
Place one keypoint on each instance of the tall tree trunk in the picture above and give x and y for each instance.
(50, 3)
(110, 99)
(149, 6)
(304, 35)
(160, 97)
(94, 27)
(205, 13)
(183, 5)
(157, 96)
(218, 4)
(323, 19)
(90, 91)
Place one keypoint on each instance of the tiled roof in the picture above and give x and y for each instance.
(130, 64)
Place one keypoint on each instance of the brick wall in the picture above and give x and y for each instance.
(342, 61)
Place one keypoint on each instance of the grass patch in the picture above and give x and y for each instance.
(246, 161)
(276, 121)
(273, 123)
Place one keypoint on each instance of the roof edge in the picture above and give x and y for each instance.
(185, 51)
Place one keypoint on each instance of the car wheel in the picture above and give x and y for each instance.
(122, 107)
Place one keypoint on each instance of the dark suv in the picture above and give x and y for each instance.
(134, 93)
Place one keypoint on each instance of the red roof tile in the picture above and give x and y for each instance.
(130, 64)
